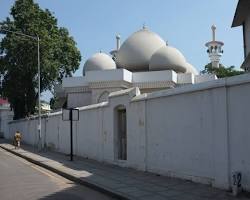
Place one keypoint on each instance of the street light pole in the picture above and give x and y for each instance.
(39, 79)
(39, 89)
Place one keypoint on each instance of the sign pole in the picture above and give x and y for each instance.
(71, 134)
(70, 114)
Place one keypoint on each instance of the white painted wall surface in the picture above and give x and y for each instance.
(239, 131)
(198, 132)
(89, 140)
(109, 75)
(154, 76)
(6, 115)
(78, 99)
(204, 78)
(182, 133)
(79, 81)
(185, 78)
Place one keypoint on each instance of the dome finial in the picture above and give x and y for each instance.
(213, 31)
(144, 26)
(118, 36)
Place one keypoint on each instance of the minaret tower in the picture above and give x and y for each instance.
(118, 44)
(214, 49)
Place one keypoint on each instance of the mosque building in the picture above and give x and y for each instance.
(144, 60)
(144, 106)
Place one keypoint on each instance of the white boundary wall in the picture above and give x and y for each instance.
(198, 132)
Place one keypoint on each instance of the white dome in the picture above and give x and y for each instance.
(168, 58)
(136, 51)
(99, 61)
(191, 69)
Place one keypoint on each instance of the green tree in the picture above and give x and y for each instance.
(18, 55)
(222, 71)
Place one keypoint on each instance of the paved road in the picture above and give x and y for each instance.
(21, 180)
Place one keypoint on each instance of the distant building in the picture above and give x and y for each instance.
(4, 103)
(242, 18)
(45, 107)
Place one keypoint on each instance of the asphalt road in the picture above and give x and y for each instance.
(21, 180)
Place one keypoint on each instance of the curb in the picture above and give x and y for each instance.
(69, 176)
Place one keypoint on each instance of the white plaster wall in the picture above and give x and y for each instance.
(199, 132)
(28, 128)
(79, 81)
(239, 131)
(89, 141)
(97, 93)
(181, 136)
(136, 129)
(79, 99)
(109, 75)
(154, 76)
(6, 115)
(183, 78)
(204, 78)
(58, 133)
(108, 134)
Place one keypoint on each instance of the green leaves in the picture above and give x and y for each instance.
(18, 55)
(222, 71)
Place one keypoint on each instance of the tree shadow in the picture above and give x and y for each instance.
(76, 192)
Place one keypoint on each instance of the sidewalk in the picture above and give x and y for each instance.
(118, 182)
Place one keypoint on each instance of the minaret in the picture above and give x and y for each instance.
(214, 49)
(118, 45)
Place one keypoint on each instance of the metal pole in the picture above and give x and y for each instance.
(71, 134)
(39, 92)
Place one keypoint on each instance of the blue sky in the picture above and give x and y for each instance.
(185, 24)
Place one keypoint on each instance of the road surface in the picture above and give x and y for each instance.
(22, 180)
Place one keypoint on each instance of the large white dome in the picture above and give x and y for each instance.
(136, 51)
(168, 58)
(99, 61)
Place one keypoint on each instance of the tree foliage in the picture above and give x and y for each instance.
(18, 55)
(222, 71)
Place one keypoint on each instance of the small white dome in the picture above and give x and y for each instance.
(168, 58)
(99, 61)
(191, 69)
(136, 51)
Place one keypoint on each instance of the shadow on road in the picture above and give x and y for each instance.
(76, 192)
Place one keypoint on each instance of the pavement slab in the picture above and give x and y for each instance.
(122, 183)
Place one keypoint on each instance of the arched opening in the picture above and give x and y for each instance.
(120, 133)
(103, 97)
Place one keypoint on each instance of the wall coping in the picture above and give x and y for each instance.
(135, 95)
(94, 106)
(223, 82)
(135, 91)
